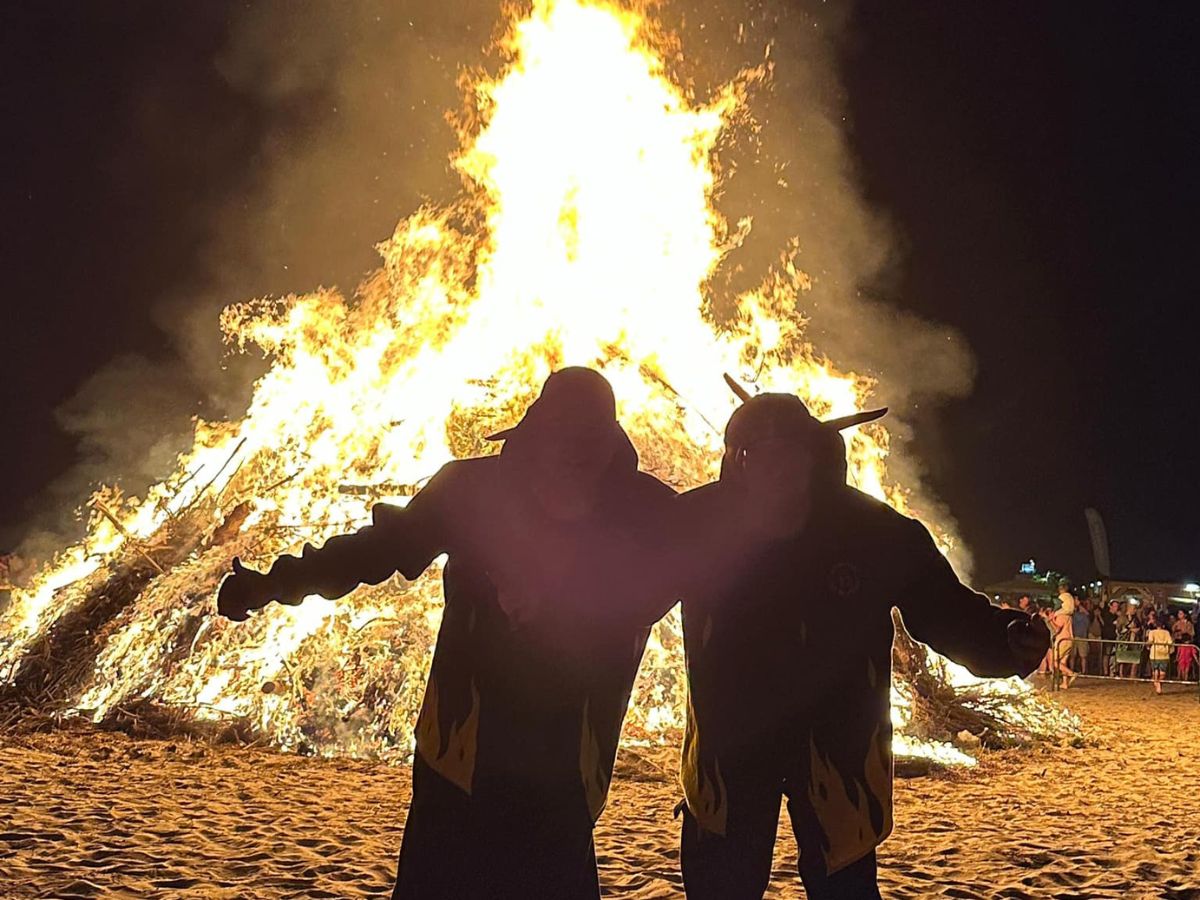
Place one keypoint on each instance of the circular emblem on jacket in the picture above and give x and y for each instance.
(844, 580)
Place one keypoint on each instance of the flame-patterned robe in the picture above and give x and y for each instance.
(544, 625)
(789, 658)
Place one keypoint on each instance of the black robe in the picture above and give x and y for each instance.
(544, 626)
(789, 647)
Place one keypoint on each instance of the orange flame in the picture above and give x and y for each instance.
(586, 234)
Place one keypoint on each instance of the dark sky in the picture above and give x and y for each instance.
(1038, 166)
(1042, 169)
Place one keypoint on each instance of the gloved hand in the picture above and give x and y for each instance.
(1028, 639)
(243, 591)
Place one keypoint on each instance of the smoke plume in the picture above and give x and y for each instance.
(797, 177)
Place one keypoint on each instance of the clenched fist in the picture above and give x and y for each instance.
(243, 591)
(1028, 639)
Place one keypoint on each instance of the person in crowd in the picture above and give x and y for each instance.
(786, 700)
(1149, 623)
(1066, 600)
(547, 612)
(1044, 663)
(1160, 645)
(1048, 663)
(1063, 645)
(1025, 605)
(1109, 617)
(1081, 621)
(1137, 629)
(1129, 650)
(1095, 649)
(1184, 634)
(1124, 614)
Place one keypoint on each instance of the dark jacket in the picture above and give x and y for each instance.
(544, 624)
(789, 647)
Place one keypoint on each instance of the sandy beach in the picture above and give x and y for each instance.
(102, 815)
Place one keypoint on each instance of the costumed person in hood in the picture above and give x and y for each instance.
(546, 617)
(788, 637)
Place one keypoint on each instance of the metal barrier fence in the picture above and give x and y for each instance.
(1120, 654)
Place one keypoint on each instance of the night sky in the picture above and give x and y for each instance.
(1037, 167)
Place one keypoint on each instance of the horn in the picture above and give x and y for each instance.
(742, 393)
(858, 418)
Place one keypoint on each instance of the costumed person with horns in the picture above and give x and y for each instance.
(546, 617)
(788, 637)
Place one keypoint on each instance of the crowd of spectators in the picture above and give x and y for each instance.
(1117, 639)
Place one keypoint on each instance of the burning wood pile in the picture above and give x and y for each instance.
(590, 243)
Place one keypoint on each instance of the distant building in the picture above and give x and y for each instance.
(1171, 594)
(1040, 588)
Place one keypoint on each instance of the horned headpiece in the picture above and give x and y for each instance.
(773, 415)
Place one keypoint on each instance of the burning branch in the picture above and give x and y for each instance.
(133, 543)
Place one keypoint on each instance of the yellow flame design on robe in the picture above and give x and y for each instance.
(706, 797)
(843, 808)
(457, 763)
(594, 772)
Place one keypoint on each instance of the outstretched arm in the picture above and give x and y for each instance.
(404, 539)
(954, 620)
(370, 555)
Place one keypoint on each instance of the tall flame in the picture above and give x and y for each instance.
(586, 233)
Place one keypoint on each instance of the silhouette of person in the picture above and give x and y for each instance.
(547, 611)
(788, 637)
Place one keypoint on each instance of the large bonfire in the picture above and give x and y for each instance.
(585, 234)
